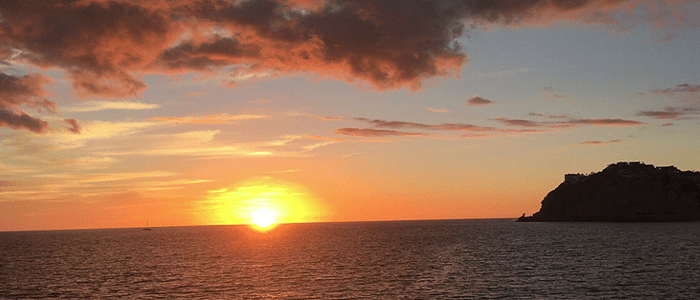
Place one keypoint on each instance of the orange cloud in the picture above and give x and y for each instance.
(213, 119)
(107, 46)
(368, 132)
(323, 138)
(437, 110)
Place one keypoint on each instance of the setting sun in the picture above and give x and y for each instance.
(263, 218)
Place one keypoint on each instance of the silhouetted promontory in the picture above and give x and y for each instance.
(624, 192)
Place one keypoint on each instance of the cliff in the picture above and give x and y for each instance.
(624, 192)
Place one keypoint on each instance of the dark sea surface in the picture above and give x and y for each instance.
(460, 259)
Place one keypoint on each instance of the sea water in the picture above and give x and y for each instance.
(455, 259)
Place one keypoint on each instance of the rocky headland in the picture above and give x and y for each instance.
(624, 192)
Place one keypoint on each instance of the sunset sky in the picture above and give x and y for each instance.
(114, 113)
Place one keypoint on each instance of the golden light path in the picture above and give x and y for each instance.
(261, 203)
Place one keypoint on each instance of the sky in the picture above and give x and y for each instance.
(176, 113)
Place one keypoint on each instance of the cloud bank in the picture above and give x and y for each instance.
(105, 47)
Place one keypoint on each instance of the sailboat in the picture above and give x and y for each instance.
(147, 226)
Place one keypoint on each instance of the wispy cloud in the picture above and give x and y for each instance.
(212, 119)
(412, 125)
(680, 89)
(548, 93)
(369, 132)
(569, 123)
(91, 106)
(599, 143)
(670, 113)
(194, 94)
(323, 138)
(437, 110)
(502, 73)
(382, 128)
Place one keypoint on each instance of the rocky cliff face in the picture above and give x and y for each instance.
(624, 192)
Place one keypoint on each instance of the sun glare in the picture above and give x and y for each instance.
(261, 204)
(263, 218)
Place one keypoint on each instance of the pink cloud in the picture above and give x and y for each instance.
(437, 110)
(211, 119)
(368, 132)
(194, 94)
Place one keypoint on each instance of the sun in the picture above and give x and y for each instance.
(263, 218)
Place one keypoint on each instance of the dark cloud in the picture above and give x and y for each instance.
(570, 122)
(368, 132)
(597, 143)
(548, 93)
(602, 122)
(670, 113)
(520, 122)
(28, 91)
(74, 126)
(565, 116)
(411, 125)
(467, 129)
(24, 90)
(207, 55)
(18, 119)
(478, 101)
(560, 116)
(680, 89)
(107, 46)
(98, 43)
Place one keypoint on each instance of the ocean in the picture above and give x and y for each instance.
(447, 259)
